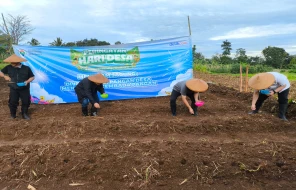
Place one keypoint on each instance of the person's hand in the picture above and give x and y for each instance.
(191, 111)
(26, 83)
(271, 93)
(253, 107)
(97, 105)
(7, 78)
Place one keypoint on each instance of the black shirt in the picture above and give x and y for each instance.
(18, 74)
(88, 89)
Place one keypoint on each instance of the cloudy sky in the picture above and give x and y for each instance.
(249, 24)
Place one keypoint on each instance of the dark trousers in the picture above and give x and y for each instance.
(282, 99)
(173, 100)
(84, 101)
(14, 97)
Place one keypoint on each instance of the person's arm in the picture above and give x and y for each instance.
(184, 99)
(255, 98)
(3, 72)
(280, 88)
(29, 80)
(183, 92)
(31, 76)
(101, 89)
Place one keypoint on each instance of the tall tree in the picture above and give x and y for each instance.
(241, 55)
(17, 27)
(226, 47)
(34, 42)
(57, 42)
(275, 56)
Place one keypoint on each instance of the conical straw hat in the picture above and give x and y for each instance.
(261, 81)
(98, 78)
(14, 59)
(197, 85)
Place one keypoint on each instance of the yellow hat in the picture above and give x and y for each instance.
(98, 78)
(14, 59)
(261, 81)
(197, 85)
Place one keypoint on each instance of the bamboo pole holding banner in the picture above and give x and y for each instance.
(189, 26)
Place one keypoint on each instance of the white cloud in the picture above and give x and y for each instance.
(38, 92)
(258, 31)
(181, 77)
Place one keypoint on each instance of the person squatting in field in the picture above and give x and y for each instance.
(19, 77)
(86, 91)
(190, 88)
(269, 84)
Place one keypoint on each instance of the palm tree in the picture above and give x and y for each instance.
(34, 42)
(57, 42)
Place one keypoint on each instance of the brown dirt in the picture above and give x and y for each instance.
(137, 144)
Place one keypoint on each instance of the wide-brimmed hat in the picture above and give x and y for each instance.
(261, 81)
(197, 85)
(98, 78)
(14, 59)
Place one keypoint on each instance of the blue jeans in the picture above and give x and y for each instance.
(85, 102)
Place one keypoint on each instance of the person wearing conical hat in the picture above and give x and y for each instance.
(269, 84)
(87, 92)
(19, 77)
(189, 88)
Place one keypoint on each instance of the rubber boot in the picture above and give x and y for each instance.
(93, 111)
(282, 111)
(173, 107)
(253, 112)
(12, 113)
(84, 111)
(25, 114)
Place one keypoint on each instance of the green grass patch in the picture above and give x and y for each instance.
(291, 76)
(2, 65)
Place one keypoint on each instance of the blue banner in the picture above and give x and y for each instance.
(137, 70)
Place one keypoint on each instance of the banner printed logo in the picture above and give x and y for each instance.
(22, 52)
(105, 59)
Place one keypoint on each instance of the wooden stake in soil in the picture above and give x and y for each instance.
(247, 78)
(241, 78)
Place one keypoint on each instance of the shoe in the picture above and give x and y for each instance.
(93, 114)
(26, 117)
(12, 116)
(253, 112)
(284, 118)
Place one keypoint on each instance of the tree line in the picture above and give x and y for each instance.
(13, 30)
(275, 57)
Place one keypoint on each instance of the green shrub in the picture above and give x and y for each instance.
(219, 68)
(200, 67)
(235, 69)
(292, 71)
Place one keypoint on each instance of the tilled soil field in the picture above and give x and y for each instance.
(138, 144)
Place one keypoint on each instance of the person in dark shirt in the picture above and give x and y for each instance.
(86, 91)
(190, 88)
(19, 77)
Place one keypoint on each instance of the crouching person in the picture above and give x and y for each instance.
(269, 84)
(86, 91)
(189, 88)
